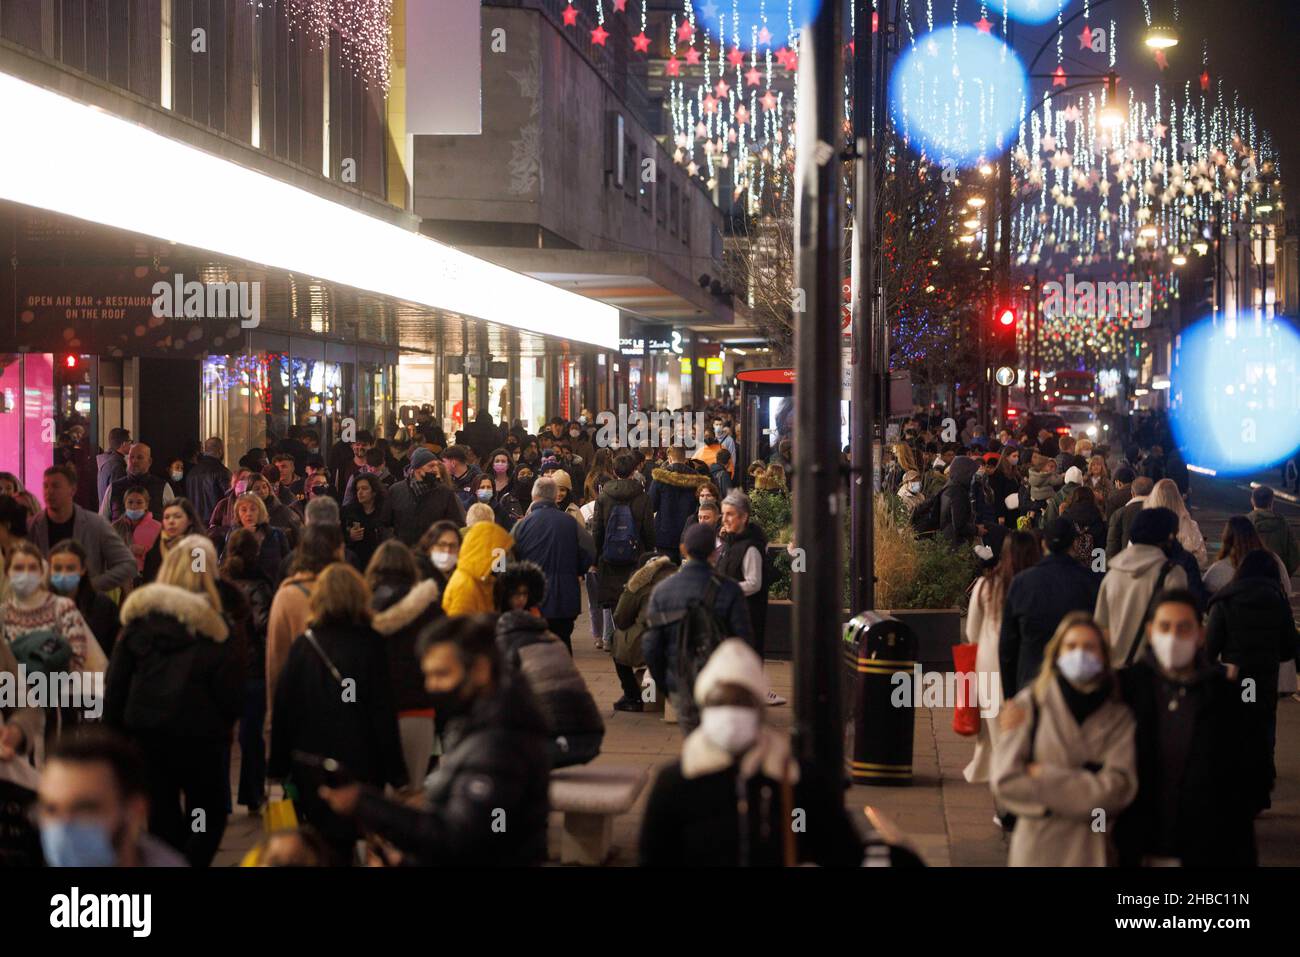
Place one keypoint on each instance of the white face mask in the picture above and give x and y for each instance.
(734, 728)
(24, 583)
(1173, 653)
(1079, 666)
(443, 561)
(915, 486)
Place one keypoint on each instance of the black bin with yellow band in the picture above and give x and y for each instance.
(876, 649)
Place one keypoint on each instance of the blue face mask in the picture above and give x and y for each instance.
(77, 844)
(65, 583)
(484, 494)
(135, 514)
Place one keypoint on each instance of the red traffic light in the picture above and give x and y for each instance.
(70, 361)
(1006, 317)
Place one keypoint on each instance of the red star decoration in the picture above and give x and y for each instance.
(1205, 79)
(792, 62)
(599, 35)
(768, 101)
(1085, 39)
(620, 6)
(1058, 76)
(742, 114)
(673, 67)
(736, 56)
(685, 32)
(754, 77)
(1162, 61)
(692, 56)
(783, 56)
(984, 25)
(641, 42)
(570, 15)
(710, 104)
(764, 36)
(722, 89)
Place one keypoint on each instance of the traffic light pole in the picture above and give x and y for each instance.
(818, 217)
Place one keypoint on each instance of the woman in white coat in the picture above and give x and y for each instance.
(1165, 494)
(983, 623)
(1066, 763)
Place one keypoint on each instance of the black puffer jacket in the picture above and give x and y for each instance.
(673, 495)
(541, 659)
(494, 769)
(173, 670)
(402, 611)
(1251, 626)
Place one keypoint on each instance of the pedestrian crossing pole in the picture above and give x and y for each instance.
(818, 507)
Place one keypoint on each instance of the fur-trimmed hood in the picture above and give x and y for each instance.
(684, 478)
(771, 755)
(644, 575)
(407, 609)
(189, 608)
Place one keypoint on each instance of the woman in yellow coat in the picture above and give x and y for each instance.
(483, 551)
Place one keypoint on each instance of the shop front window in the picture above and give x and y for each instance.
(245, 400)
(532, 393)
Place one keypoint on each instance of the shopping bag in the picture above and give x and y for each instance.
(280, 815)
(966, 715)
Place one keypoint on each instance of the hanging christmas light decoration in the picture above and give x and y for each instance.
(362, 26)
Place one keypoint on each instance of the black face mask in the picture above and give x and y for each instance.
(450, 704)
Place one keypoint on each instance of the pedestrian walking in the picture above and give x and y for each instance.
(1133, 579)
(1067, 758)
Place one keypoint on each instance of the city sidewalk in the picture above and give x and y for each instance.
(948, 821)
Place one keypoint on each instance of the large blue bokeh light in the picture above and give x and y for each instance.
(721, 18)
(1234, 400)
(957, 94)
(1033, 11)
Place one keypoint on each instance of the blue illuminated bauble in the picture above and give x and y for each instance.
(725, 20)
(1033, 11)
(957, 94)
(1234, 399)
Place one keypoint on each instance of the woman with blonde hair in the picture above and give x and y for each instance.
(1165, 494)
(175, 686)
(335, 699)
(249, 511)
(1066, 762)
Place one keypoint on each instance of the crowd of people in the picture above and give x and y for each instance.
(381, 632)
(1133, 677)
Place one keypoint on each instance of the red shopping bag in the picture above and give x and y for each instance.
(966, 716)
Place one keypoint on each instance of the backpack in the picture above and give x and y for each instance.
(42, 650)
(698, 634)
(925, 517)
(621, 546)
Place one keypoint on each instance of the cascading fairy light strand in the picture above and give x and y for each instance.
(363, 28)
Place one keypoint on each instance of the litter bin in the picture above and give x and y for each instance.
(876, 649)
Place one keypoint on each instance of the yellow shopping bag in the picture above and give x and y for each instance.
(280, 815)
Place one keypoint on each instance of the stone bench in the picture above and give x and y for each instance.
(590, 796)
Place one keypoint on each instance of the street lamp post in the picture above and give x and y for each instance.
(862, 405)
(818, 219)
